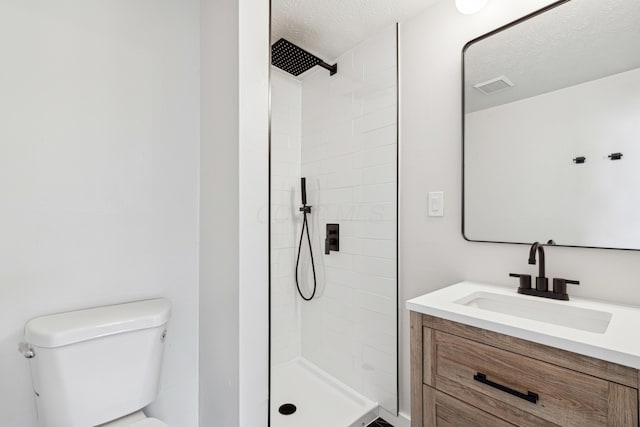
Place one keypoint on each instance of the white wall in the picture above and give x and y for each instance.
(349, 146)
(286, 139)
(433, 252)
(234, 228)
(99, 148)
(254, 51)
(534, 141)
(219, 216)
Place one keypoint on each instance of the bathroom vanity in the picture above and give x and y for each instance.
(480, 358)
(545, 125)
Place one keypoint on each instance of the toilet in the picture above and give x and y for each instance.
(97, 367)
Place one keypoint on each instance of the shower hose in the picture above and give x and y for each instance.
(305, 225)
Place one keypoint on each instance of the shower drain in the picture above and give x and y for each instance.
(287, 409)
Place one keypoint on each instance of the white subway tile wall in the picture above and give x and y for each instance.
(349, 149)
(286, 134)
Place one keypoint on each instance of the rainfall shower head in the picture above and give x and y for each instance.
(295, 60)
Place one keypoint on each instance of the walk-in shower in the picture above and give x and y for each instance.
(333, 232)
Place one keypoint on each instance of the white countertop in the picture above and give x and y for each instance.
(620, 343)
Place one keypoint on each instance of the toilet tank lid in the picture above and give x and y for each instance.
(72, 327)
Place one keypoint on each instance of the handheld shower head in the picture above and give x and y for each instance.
(303, 187)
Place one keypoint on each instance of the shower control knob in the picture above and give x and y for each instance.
(332, 239)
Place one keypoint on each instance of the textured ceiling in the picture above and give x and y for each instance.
(329, 28)
(579, 41)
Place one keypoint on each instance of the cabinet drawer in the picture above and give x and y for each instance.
(441, 410)
(526, 391)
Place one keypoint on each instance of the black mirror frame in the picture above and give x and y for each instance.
(464, 49)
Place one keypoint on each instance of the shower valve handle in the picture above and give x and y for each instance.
(332, 239)
(329, 245)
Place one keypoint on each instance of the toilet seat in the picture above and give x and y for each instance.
(149, 422)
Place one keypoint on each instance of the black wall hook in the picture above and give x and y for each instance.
(579, 160)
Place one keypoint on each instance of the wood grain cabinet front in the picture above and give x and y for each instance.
(465, 376)
(443, 410)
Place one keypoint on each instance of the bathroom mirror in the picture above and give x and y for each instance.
(551, 125)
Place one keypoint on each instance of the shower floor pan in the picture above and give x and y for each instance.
(320, 399)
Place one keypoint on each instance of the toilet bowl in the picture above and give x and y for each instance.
(106, 359)
(138, 419)
(149, 422)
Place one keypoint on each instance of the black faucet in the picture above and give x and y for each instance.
(542, 282)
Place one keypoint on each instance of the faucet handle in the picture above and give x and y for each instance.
(560, 286)
(525, 280)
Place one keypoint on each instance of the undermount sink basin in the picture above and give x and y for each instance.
(583, 319)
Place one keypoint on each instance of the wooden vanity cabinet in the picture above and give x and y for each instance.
(466, 376)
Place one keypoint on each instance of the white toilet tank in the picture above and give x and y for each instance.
(93, 366)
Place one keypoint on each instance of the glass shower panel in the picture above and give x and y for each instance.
(349, 157)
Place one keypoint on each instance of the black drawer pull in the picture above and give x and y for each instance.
(530, 396)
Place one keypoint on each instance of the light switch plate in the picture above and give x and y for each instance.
(436, 203)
